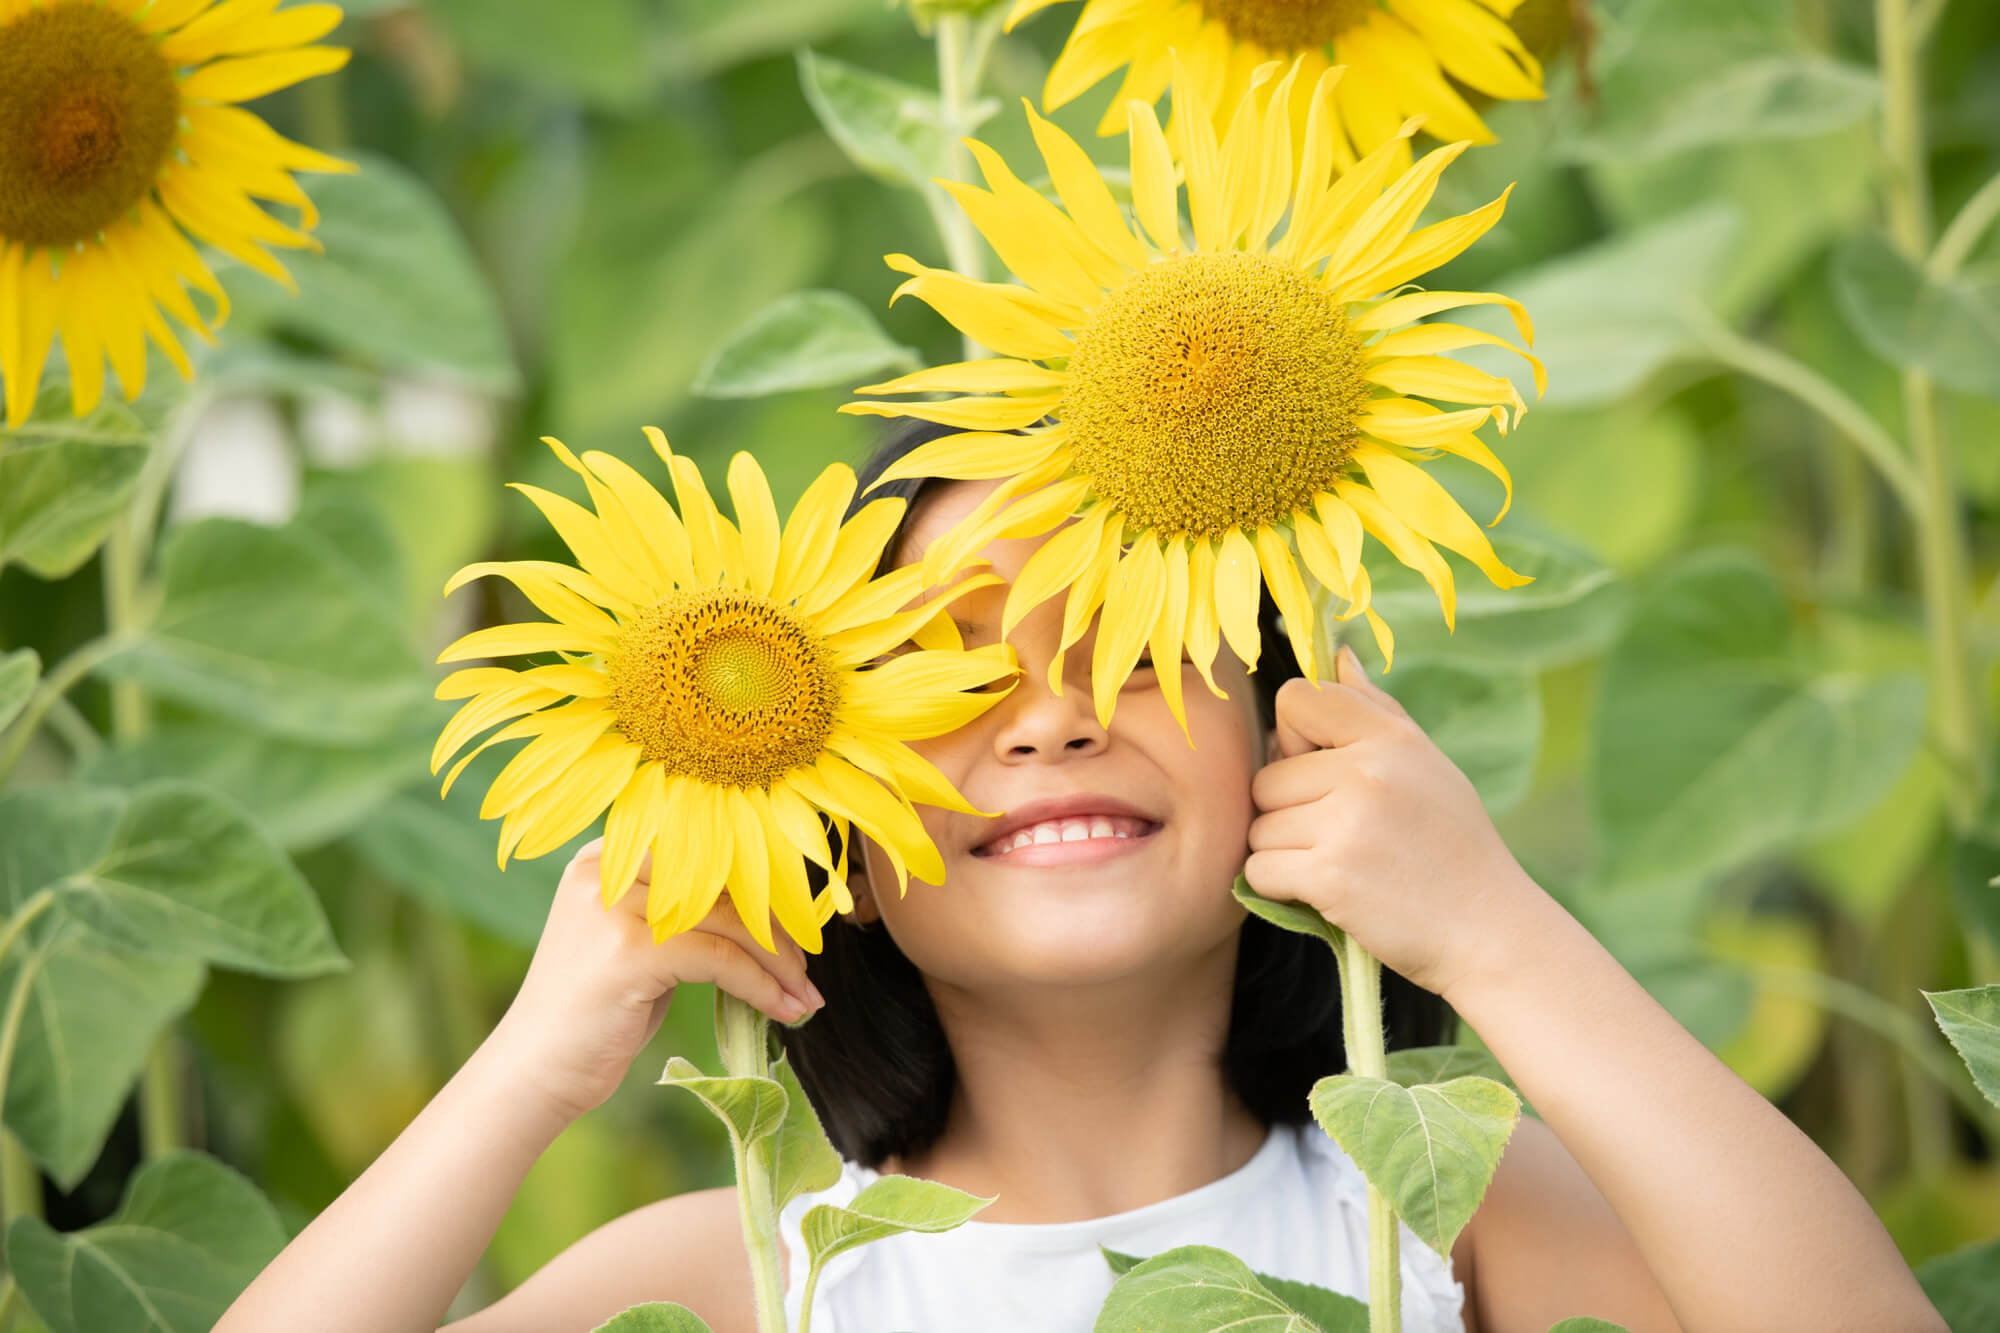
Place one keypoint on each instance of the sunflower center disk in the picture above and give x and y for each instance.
(723, 686)
(88, 113)
(1215, 391)
(1287, 25)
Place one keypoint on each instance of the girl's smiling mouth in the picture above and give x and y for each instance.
(1067, 831)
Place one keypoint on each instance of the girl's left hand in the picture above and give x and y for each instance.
(1365, 820)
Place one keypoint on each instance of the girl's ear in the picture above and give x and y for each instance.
(867, 913)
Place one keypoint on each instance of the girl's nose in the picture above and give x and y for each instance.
(1036, 724)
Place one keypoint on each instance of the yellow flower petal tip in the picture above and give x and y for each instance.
(1221, 409)
(726, 693)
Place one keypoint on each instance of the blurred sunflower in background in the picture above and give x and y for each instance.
(1402, 57)
(719, 687)
(120, 139)
(1189, 405)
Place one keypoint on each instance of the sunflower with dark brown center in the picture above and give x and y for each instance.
(1196, 412)
(119, 139)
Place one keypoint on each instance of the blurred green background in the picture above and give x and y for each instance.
(1704, 727)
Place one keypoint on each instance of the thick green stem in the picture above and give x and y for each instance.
(959, 60)
(1367, 1056)
(742, 1038)
(1958, 712)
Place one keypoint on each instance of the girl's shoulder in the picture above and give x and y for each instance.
(687, 1248)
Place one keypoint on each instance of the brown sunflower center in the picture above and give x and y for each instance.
(723, 686)
(1288, 25)
(1215, 391)
(88, 112)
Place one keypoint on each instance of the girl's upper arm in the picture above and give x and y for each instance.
(1549, 1247)
(687, 1249)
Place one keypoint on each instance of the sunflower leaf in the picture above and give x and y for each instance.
(1431, 1148)
(806, 340)
(1329, 1311)
(1196, 1288)
(19, 670)
(888, 1206)
(890, 129)
(62, 485)
(1295, 917)
(91, 1012)
(1965, 1285)
(751, 1108)
(802, 1158)
(1948, 328)
(654, 1317)
(1971, 1019)
(188, 1238)
(167, 868)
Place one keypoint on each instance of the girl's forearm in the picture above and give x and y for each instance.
(393, 1250)
(1743, 1221)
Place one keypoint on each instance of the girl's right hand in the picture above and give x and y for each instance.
(598, 987)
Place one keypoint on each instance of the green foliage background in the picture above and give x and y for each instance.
(1712, 727)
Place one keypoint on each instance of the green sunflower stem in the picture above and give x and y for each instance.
(742, 1038)
(962, 47)
(1368, 1056)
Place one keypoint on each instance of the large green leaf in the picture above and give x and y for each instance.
(19, 670)
(1671, 75)
(1948, 328)
(596, 51)
(276, 628)
(1432, 1148)
(807, 340)
(1197, 1289)
(1714, 743)
(166, 868)
(1971, 1019)
(1439, 1064)
(1570, 611)
(91, 1012)
(1965, 1286)
(890, 129)
(397, 283)
(753, 1108)
(187, 1240)
(1329, 1311)
(59, 495)
(440, 851)
(886, 1207)
(1587, 1324)
(800, 1157)
(1608, 317)
(302, 794)
(654, 1317)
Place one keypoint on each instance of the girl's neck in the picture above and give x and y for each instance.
(1081, 1102)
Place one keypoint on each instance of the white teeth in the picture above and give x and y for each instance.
(1100, 827)
(1075, 830)
(1081, 829)
(1047, 833)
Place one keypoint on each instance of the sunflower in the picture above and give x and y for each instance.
(1397, 53)
(731, 693)
(120, 137)
(1188, 406)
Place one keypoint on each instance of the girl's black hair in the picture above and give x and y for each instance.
(875, 1063)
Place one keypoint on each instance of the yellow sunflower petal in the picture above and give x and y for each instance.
(1131, 610)
(1406, 309)
(1204, 630)
(1167, 641)
(1289, 591)
(992, 375)
(1429, 339)
(1084, 195)
(1013, 321)
(1389, 529)
(1425, 250)
(810, 531)
(750, 868)
(245, 78)
(529, 637)
(1237, 580)
(757, 514)
(989, 414)
(1430, 511)
(974, 456)
(1055, 564)
(1155, 192)
(1435, 377)
(637, 815)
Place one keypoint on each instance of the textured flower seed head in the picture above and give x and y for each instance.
(88, 114)
(1215, 391)
(1287, 25)
(723, 686)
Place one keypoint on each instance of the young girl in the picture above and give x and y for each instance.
(1083, 1022)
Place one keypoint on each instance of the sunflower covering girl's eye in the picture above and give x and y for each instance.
(119, 137)
(1402, 57)
(722, 688)
(1188, 406)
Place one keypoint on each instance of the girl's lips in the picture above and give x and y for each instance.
(1065, 840)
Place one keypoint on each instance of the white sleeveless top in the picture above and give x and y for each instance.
(1297, 1209)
